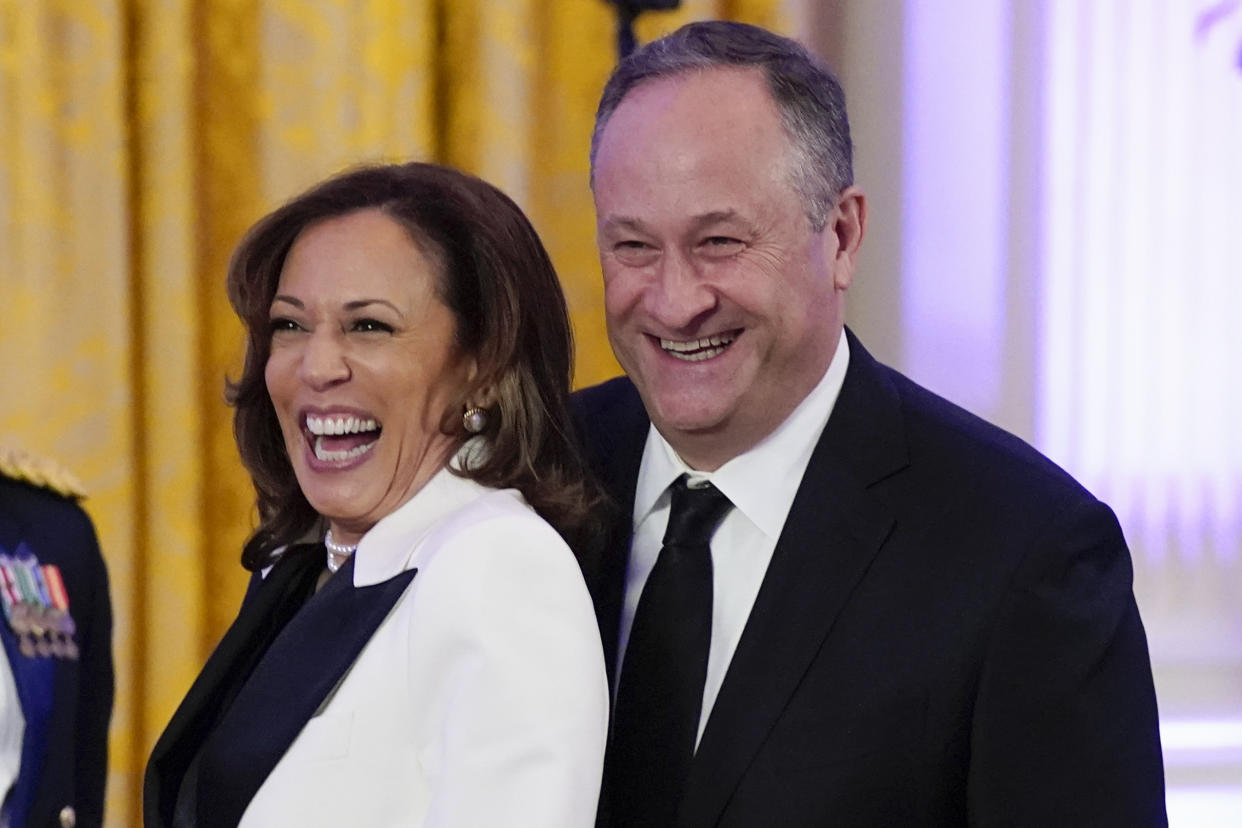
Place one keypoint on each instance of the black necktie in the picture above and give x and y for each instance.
(660, 695)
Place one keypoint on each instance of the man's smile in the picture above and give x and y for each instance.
(695, 350)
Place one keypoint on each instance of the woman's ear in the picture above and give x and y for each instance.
(484, 397)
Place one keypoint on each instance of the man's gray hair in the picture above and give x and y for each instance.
(807, 95)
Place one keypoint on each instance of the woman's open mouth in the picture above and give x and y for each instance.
(342, 437)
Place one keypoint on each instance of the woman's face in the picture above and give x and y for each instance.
(363, 367)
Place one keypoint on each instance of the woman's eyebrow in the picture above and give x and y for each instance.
(362, 303)
(352, 305)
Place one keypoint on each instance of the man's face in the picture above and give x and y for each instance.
(723, 305)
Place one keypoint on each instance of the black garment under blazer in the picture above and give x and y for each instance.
(946, 635)
(283, 655)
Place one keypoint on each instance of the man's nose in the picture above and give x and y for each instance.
(680, 295)
(324, 362)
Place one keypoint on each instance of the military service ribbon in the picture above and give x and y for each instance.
(15, 609)
(36, 605)
(62, 620)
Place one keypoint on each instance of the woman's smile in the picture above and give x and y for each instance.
(340, 440)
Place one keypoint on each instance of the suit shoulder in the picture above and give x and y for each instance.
(489, 542)
(497, 511)
(611, 421)
(945, 431)
(606, 399)
(51, 522)
(22, 467)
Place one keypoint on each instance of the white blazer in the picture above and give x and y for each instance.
(481, 700)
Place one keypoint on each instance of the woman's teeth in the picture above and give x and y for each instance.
(345, 433)
(320, 426)
(344, 454)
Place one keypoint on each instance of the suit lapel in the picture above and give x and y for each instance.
(303, 665)
(268, 605)
(834, 529)
(613, 426)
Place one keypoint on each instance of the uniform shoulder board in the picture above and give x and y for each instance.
(39, 471)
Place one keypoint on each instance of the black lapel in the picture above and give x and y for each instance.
(267, 607)
(613, 425)
(302, 666)
(834, 529)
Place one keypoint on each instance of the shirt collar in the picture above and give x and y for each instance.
(390, 546)
(758, 482)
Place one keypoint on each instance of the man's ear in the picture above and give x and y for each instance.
(847, 224)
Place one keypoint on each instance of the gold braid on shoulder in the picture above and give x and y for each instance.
(40, 471)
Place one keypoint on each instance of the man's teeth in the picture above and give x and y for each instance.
(330, 426)
(344, 454)
(694, 350)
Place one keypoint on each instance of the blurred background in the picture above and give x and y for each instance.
(1055, 191)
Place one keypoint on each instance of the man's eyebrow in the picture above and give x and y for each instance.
(701, 220)
(730, 216)
(715, 216)
(630, 223)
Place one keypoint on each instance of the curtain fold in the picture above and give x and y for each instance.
(1137, 321)
(139, 139)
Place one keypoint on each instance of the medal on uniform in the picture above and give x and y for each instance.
(25, 568)
(37, 606)
(62, 621)
(15, 609)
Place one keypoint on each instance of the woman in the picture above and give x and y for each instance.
(419, 647)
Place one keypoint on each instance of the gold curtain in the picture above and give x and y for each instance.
(138, 140)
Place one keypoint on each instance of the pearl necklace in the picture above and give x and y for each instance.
(338, 553)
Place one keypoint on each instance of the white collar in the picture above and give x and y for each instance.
(388, 548)
(759, 481)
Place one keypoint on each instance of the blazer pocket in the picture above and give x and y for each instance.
(324, 738)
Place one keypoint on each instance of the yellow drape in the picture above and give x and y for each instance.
(138, 140)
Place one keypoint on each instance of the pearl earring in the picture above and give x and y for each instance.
(474, 420)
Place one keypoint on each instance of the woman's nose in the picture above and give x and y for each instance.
(324, 361)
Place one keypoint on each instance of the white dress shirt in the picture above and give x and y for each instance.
(761, 483)
(481, 700)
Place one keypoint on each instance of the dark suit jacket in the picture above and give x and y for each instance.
(67, 704)
(946, 634)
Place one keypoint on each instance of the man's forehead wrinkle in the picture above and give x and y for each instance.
(624, 223)
(716, 216)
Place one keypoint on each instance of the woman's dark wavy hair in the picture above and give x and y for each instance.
(498, 281)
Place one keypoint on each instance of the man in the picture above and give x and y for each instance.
(905, 616)
(56, 680)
